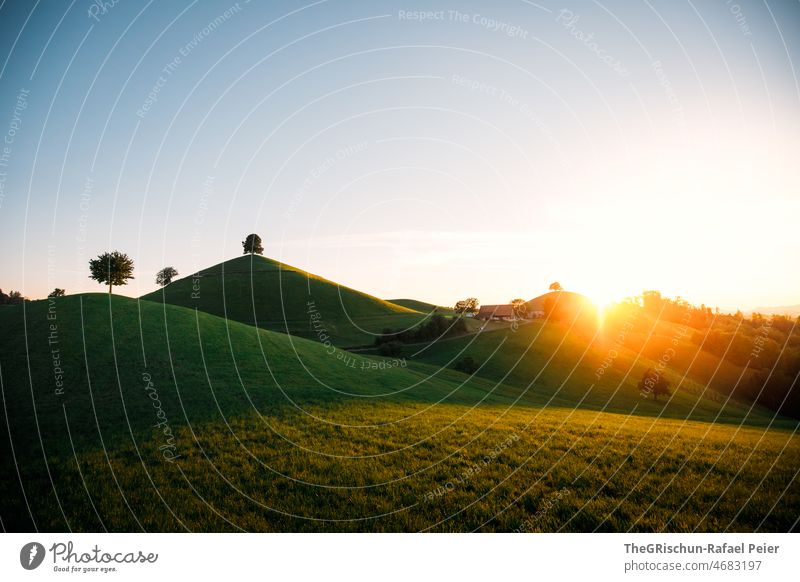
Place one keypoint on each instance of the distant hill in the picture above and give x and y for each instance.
(790, 310)
(563, 298)
(563, 306)
(272, 295)
(421, 306)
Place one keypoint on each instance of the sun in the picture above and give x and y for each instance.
(602, 299)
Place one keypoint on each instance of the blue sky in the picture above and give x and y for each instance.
(481, 149)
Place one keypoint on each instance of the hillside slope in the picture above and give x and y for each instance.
(104, 351)
(271, 295)
(563, 364)
(128, 415)
(421, 306)
(99, 372)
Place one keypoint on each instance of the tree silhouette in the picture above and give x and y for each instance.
(13, 298)
(252, 245)
(57, 293)
(468, 305)
(520, 309)
(556, 286)
(111, 268)
(652, 301)
(653, 383)
(164, 276)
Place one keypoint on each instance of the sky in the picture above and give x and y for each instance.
(428, 150)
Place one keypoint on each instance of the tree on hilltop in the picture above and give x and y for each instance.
(164, 276)
(252, 245)
(57, 292)
(556, 286)
(468, 305)
(111, 268)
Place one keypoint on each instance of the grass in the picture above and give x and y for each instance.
(271, 432)
(422, 306)
(271, 295)
(494, 470)
(563, 366)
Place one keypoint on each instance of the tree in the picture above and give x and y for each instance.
(164, 276)
(468, 365)
(111, 268)
(520, 308)
(468, 305)
(252, 245)
(556, 286)
(652, 302)
(57, 292)
(15, 298)
(653, 383)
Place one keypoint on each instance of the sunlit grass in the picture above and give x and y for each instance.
(606, 472)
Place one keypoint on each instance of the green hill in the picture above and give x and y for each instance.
(204, 367)
(421, 306)
(271, 295)
(567, 365)
(128, 415)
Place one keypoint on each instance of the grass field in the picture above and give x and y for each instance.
(173, 419)
(494, 470)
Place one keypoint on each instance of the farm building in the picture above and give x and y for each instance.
(496, 312)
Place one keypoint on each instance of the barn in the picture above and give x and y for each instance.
(497, 312)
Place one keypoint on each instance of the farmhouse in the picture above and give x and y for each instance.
(496, 312)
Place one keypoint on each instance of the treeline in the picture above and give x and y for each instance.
(768, 346)
(11, 298)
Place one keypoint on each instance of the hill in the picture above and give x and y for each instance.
(561, 302)
(573, 365)
(790, 310)
(421, 306)
(127, 415)
(271, 295)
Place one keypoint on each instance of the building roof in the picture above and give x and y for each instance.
(496, 311)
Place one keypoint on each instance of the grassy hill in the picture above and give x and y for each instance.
(271, 295)
(421, 306)
(572, 366)
(160, 418)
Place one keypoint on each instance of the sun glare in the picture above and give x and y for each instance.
(602, 300)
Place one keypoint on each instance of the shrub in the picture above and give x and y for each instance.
(468, 365)
(393, 348)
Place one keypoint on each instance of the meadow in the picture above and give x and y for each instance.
(172, 419)
(495, 469)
